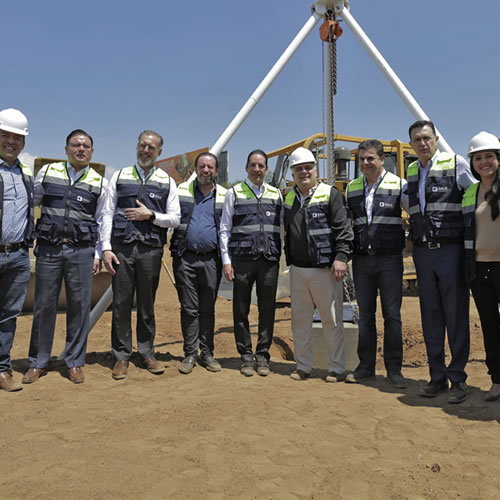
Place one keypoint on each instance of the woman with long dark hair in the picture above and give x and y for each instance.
(481, 207)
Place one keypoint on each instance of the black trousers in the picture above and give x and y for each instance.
(382, 273)
(264, 274)
(486, 293)
(197, 279)
(444, 306)
(138, 271)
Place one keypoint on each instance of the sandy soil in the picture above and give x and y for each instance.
(223, 435)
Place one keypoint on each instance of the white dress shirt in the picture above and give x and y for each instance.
(171, 218)
(226, 223)
(370, 193)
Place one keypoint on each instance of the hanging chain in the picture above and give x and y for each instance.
(323, 96)
(332, 55)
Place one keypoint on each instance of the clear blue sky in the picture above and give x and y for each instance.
(185, 69)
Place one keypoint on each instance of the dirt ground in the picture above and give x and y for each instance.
(222, 435)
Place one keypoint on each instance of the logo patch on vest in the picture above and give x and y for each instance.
(439, 189)
(387, 204)
(81, 198)
(154, 195)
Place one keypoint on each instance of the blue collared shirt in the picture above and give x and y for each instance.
(201, 235)
(15, 204)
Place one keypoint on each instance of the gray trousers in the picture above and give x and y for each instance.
(53, 265)
(139, 272)
(197, 279)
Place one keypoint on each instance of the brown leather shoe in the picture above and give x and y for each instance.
(154, 366)
(33, 374)
(120, 370)
(7, 383)
(75, 374)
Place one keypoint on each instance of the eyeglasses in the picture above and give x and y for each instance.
(78, 145)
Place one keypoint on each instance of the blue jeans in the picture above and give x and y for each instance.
(383, 273)
(14, 278)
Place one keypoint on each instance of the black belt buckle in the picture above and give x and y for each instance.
(433, 246)
(10, 247)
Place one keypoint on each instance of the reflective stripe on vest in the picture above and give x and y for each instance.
(319, 232)
(187, 202)
(384, 234)
(153, 193)
(256, 223)
(68, 209)
(469, 203)
(442, 219)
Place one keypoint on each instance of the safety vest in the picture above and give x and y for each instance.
(256, 223)
(153, 193)
(469, 203)
(385, 234)
(27, 176)
(319, 231)
(187, 202)
(442, 220)
(69, 209)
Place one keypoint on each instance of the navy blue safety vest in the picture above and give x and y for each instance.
(69, 209)
(28, 184)
(442, 220)
(319, 231)
(187, 202)
(385, 234)
(153, 193)
(256, 224)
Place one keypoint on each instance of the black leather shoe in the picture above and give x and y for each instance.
(210, 363)
(433, 388)
(397, 380)
(359, 374)
(458, 392)
(187, 364)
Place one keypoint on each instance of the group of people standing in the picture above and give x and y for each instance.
(123, 223)
(454, 228)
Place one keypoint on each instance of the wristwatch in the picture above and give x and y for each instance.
(152, 217)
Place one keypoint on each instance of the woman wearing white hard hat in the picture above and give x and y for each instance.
(481, 209)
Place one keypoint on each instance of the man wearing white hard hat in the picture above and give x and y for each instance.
(436, 184)
(16, 228)
(318, 239)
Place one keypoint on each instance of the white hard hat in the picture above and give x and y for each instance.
(12, 120)
(301, 155)
(484, 141)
